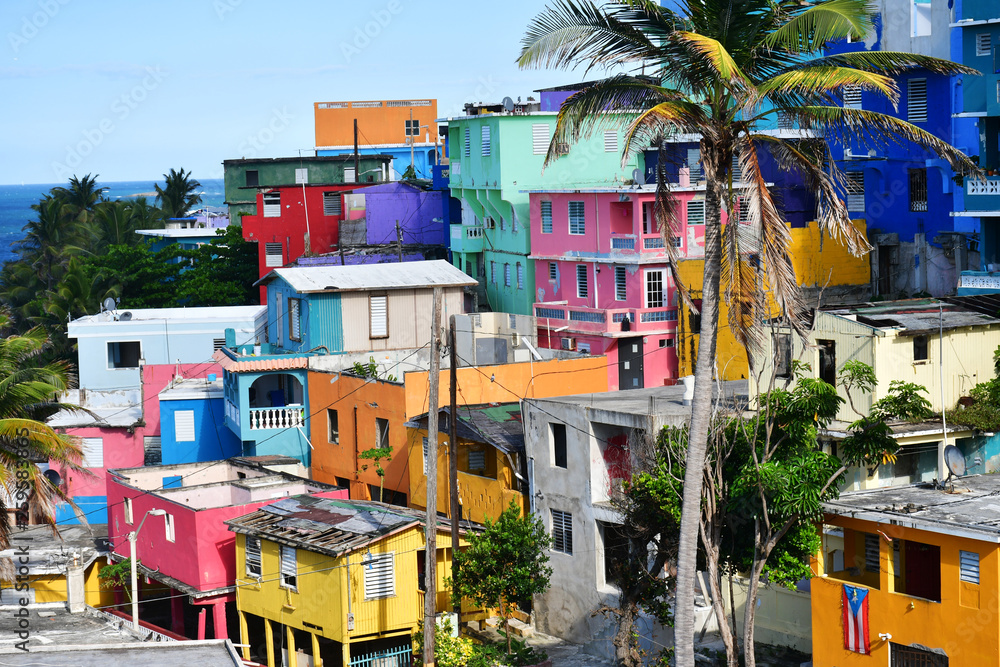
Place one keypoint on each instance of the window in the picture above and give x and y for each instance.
(424, 447)
(333, 420)
(920, 18)
(486, 140)
(350, 175)
(916, 100)
(610, 141)
(218, 344)
(506, 274)
(553, 271)
(855, 185)
(503, 224)
(620, 277)
(378, 316)
(253, 556)
(666, 342)
(289, 568)
(918, 190)
(737, 170)
(581, 281)
(577, 219)
(920, 574)
(468, 142)
(168, 523)
(694, 163)
(827, 361)
(871, 552)
(782, 354)
(616, 552)
(381, 432)
(294, 319)
(493, 272)
(520, 276)
(559, 445)
(562, 532)
(984, 44)
(919, 348)
(477, 460)
(968, 564)
(696, 212)
(128, 511)
(331, 203)
(273, 255)
(184, 426)
(546, 217)
(654, 289)
(124, 354)
(540, 138)
(380, 575)
(852, 97)
(411, 128)
(302, 176)
(743, 210)
(272, 204)
(252, 178)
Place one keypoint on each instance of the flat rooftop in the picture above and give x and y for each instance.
(971, 511)
(214, 313)
(664, 400)
(210, 652)
(186, 233)
(916, 316)
(55, 628)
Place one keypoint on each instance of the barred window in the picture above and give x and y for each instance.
(562, 532)
(577, 218)
(546, 217)
(918, 190)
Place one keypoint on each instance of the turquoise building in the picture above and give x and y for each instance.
(495, 159)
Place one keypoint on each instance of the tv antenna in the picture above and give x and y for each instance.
(955, 461)
(508, 104)
(109, 303)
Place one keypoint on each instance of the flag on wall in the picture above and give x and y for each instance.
(855, 601)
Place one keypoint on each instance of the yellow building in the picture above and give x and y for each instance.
(928, 564)
(492, 470)
(334, 580)
(821, 266)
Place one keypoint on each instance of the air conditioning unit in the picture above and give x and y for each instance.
(515, 339)
(568, 343)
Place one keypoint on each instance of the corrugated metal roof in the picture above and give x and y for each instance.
(917, 316)
(255, 364)
(499, 426)
(327, 526)
(363, 277)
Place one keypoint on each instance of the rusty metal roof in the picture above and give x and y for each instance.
(497, 425)
(246, 364)
(327, 526)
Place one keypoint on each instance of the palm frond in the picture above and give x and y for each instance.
(664, 119)
(718, 58)
(826, 84)
(668, 224)
(888, 63)
(818, 24)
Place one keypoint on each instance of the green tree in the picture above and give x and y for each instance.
(724, 69)
(503, 564)
(179, 194)
(375, 455)
(220, 273)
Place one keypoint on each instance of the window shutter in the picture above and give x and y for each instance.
(272, 204)
(477, 460)
(520, 276)
(218, 344)
(350, 175)
(696, 212)
(93, 452)
(184, 425)
(610, 141)
(331, 203)
(468, 142)
(540, 138)
(743, 210)
(968, 566)
(546, 207)
(253, 556)
(562, 531)
(855, 184)
(577, 218)
(273, 255)
(581, 281)
(380, 576)
(486, 140)
(737, 169)
(916, 101)
(289, 568)
(301, 175)
(871, 553)
(506, 275)
(379, 316)
(425, 455)
(553, 271)
(983, 44)
(152, 451)
(294, 320)
(694, 163)
(852, 97)
(620, 277)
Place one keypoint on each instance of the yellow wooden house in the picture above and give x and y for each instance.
(492, 469)
(338, 582)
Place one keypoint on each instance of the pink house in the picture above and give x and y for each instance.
(602, 280)
(190, 550)
(121, 430)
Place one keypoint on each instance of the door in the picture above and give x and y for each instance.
(884, 286)
(630, 363)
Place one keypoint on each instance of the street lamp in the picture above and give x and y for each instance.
(132, 537)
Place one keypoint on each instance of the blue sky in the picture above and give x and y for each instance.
(131, 89)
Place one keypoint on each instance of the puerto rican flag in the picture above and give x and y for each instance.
(855, 601)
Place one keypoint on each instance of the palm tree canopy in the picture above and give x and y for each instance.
(179, 194)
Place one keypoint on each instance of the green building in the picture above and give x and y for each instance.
(244, 177)
(495, 159)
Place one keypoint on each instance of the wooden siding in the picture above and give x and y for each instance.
(324, 324)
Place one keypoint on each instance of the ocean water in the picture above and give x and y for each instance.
(16, 201)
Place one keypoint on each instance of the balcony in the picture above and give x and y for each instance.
(982, 195)
(467, 238)
(270, 418)
(623, 243)
(604, 320)
(978, 282)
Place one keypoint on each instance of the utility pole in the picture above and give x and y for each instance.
(430, 550)
(399, 242)
(456, 510)
(357, 160)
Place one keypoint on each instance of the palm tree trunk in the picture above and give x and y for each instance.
(753, 586)
(701, 416)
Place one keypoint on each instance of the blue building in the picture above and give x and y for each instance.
(191, 428)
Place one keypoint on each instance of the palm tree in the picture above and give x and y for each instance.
(27, 397)
(82, 193)
(178, 195)
(726, 68)
(59, 232)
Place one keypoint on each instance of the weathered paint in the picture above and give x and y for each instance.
(964, 623)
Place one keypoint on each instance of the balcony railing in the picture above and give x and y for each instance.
(269, 418)
(604, 320)
(652, 243)
(975, 187)
(467, 238)
(623, 241)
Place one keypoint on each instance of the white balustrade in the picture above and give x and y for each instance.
(269, 418)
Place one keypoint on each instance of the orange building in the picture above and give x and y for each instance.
(363, 414)
(380, 122)
(927, 565)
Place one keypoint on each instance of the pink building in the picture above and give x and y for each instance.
(602, 280)
(190, 550)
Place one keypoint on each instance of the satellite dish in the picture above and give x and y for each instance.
(955, 461)
(508, 104)
(109, 303)
(53, 477)
(125, 317)
(637, 176)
